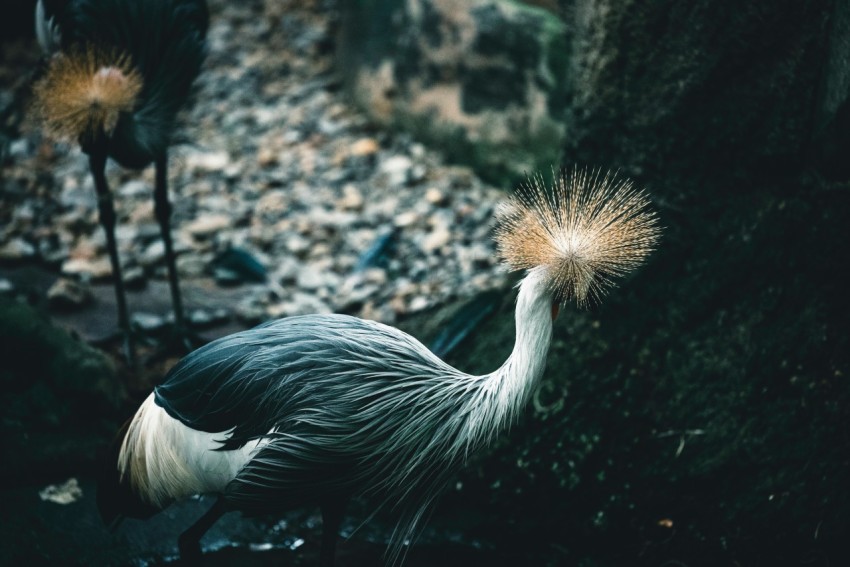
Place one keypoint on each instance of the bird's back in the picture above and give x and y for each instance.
(256, 380)
(317, 407)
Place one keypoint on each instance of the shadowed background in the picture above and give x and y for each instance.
(699, 415)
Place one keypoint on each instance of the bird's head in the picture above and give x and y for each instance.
(83, 94)
(579, 235)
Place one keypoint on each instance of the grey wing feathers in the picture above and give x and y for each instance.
(346, 407)
(257, 380)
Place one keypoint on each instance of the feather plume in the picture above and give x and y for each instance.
(84, 92)
(583, 232)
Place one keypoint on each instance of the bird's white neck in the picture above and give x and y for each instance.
(506, 391)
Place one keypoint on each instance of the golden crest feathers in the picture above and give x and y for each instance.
(584, 231)
(85, 91)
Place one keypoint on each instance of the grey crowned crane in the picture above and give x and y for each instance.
(117, 74)
(318, 409)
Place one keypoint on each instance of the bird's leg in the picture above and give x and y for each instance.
(162, 209)
(332, 514)
(106, 210)
(189, 542)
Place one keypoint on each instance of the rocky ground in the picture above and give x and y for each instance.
(280, 182)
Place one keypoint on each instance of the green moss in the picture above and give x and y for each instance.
(58, 396)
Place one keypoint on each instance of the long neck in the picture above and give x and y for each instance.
(505, 392)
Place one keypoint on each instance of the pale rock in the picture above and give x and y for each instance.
(68, 293)
(148, 322)
(292, 137)
(153, 254)
(302, 304)
(192, 265)
(320, 250)
(135, 188)
(333, 220)
(418, 304)
(17, 249)
(397, 170)
(296, 244)
(207, 318)
(329, 127)
(134, 277)
(364, 147)
(381, 312)
(232, 171)
(94, 268)
(19, 148)
(267, 157)
(287, 270)
(310, 278)
(436, 239)
(207, 225)
(356, 289)
(126, 234)
(142, 213)
(250, 309)
(407, 218)
(209, 161)
(435, 196)
(417, 173)
(275, 201)
(352, 198)
(398, 304)
(64, 494)
(375, 275)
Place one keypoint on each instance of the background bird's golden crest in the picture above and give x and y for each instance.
(584, 231)
(85, 91)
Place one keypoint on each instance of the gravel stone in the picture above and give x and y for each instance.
(69, 294)
(280, 163)
(17, 249)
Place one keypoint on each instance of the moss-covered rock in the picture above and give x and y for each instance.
(483, 79)
(59, 398)
(699, 415)
(693, 92)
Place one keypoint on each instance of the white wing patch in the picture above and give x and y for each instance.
(166, 460)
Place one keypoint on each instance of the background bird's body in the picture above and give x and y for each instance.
(164, 40)
(118, 73)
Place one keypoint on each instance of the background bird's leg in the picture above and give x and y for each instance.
(97, 164)
(189, 542)
(162, 209)
(332, 514)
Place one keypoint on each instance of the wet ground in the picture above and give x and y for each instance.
(51, 533)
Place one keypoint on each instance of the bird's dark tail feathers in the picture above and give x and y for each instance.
(115, 498)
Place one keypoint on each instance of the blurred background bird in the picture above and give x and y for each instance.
(117, 74)
(318, 409)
